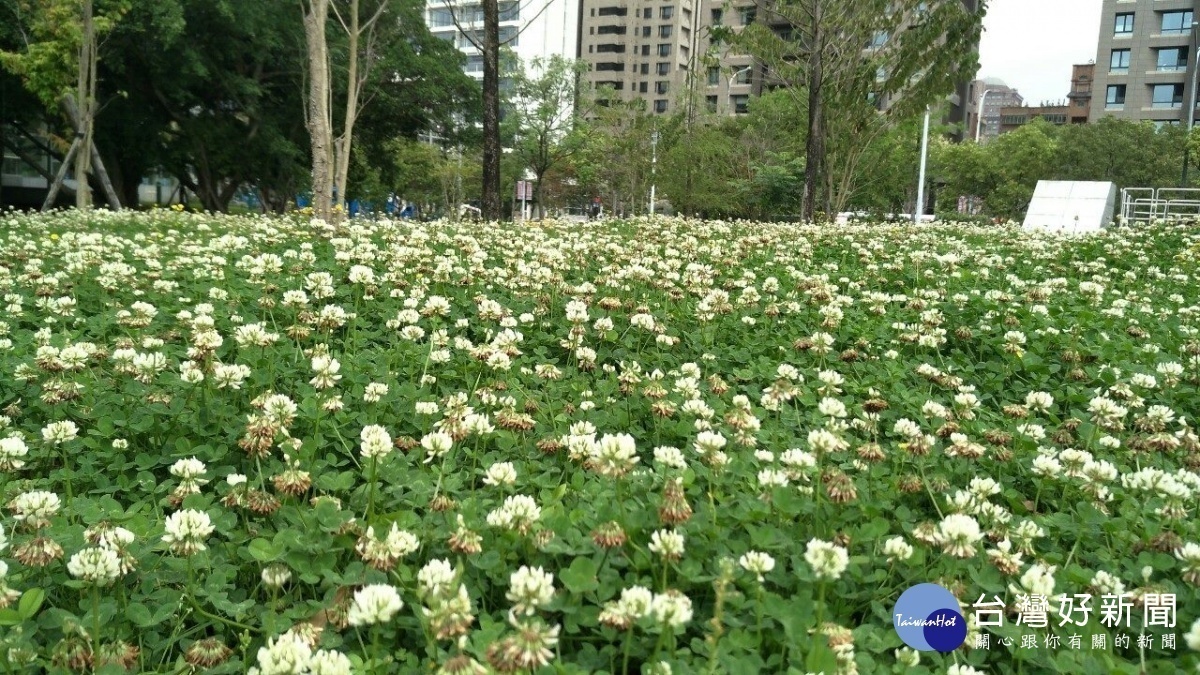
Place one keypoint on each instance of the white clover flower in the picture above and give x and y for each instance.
(958, 534)
(671, 608)
(375, 442)
(831, 407)
(374, 392)
(670, 457)
(1037, 580)
(287, 654)
(614, 454)
(35, 508)
(908, 657)
(1039, 400)
(96, 565)
(757, 562)
(667, 543)
(896, 548)
(186, 531)
(1192, 637)
(436, 445)
(518, 512)
(188, 469)
(57, 433)
(3, 542)
(375, 603)
(12, 453)
(530, 588)
(330, 662)
(436, 577)
(275, 576)
(827, 560)
(709, 442)
(500, 473)
(426, 407)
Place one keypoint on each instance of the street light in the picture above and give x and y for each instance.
(920, 208)
(979, 113)
(653, 166)
(1191, 120)
(733, 76)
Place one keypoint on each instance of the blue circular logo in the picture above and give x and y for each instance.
(928, 618)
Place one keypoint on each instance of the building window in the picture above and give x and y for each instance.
(645, 69)
(1173, 58)
(510, 11)
(1174, 23)
(664, 31)
(1166, 96)
(611, 30)
(610, 49)
(878, 39)
(646, 30)
(664, 50)
(612, 66)
(613, 11)
(440, 17)
(666, 12)
(1159, 124)
(747, 14)
(474, 64)
(661, 87)
(740, 103)
(648, 13)
(717, 15)
(642, 88)
(663, 68)
(1115, 96)
(1119, 62)
(714, 76)
(742, 76)
(660, 106)
(645, 50)
(1124, 25)
(710, 102)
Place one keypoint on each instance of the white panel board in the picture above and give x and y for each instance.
(1071, 207)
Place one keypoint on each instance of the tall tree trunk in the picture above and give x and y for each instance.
(353, 89)
(319, 124)
(491, 110)
(86, 95)
(814, 152)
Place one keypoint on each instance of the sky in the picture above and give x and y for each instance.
(1032, 44)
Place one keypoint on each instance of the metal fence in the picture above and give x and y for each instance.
(1144, 205)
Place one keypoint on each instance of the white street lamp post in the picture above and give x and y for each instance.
(920, 208)
(979, 113)
(653, 167)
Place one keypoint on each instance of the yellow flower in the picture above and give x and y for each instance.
(53, 236)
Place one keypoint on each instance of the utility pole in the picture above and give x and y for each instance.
(920, 208)
(979, 113)
(653, 166)
(1191, 114)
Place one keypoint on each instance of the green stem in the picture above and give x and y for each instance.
(628, 647)
(371, 493)
(95, 624)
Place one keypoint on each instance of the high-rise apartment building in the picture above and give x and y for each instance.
(531, 30)
(642, 50)
(1145, 58)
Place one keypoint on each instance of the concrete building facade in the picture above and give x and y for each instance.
(531, 29)
(994, 95)
(1145, 57)
(643, 50)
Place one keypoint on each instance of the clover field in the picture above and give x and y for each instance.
(656, 446)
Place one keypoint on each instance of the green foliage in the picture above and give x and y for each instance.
(52, 31)
(1005, 171)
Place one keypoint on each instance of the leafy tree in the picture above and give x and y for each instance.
(614, 161)
(58, 61)
(847, 57)
(543, 118)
